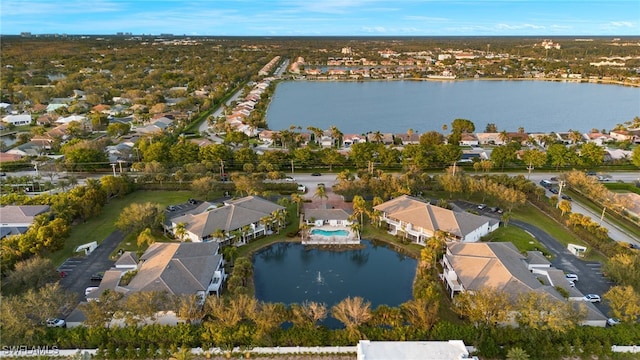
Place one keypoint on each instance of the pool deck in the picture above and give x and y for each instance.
(315, 239)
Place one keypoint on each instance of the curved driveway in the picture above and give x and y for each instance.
(591, 279)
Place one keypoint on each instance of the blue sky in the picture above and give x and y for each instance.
(323, 17)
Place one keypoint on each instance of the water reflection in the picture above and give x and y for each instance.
(292, 273)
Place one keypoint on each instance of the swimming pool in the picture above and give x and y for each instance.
(329, 232)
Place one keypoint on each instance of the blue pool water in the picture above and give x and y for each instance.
(329, 232)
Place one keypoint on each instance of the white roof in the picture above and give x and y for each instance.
(409, 350)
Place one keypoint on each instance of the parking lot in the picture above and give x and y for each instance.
(592, 280)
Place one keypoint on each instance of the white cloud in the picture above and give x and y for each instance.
(519, 27)
(622, 24)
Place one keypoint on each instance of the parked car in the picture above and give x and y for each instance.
(482, 206)
(572, 283)
(613, 321)
(592, 298)
(55, 322)
(554, 190)
(572, 277)
(302, 188)
(97, 276)
(89, 290)
(546, 183)
(171, 208)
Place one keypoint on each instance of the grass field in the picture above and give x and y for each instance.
(97, 229)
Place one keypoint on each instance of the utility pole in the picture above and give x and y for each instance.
(120, 163)
(560, 186)
(113, 165)
(291, 166)
(221, 168)
(530, 168)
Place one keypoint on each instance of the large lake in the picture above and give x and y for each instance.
(396, 106)
(292, 273)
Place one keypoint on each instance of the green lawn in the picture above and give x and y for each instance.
(533, 216)
(97, 229)
(520, 238)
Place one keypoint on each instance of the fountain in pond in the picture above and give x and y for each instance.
(319, 278)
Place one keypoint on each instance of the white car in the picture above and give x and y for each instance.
(55, 322)
(89, 290)
(592, 298)
(612, 321)
(302, 188)
(572, 277)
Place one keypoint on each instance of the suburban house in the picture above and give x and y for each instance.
(251, 215)
(175, 268)
(406, 139)
(419, 221)
(350, 139)
(499, 265)
(467, 139)
(490, 138)
(330, 217)
(16, 220)
(17, 120)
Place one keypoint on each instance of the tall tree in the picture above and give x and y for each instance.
(352, 312)
(486, 306)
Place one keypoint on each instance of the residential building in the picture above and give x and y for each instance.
(175, 268)
(419, 221)
(17, 120)
(252, 215)
(330, 217)
(500, 266)
(16, 220)
(412, 350)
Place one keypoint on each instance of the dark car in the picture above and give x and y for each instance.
(97, 276)
(566, 197)
(316, 174)
(554, 190)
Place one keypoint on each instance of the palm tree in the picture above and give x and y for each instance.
(356, 227)
(265, 221)
(359, 208)
(307, 314)
(245, 233)
(296, 198)
(321, 193)
(218, 234)
(352, 312)
(181, 231)
(504, 136)
(378, 137)
(336, 135)
(304, 229)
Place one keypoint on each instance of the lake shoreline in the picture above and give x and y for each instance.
(538, 105)
(582, 81)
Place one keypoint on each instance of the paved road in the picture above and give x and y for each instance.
(79, 275)
(591, 280)
(205, 124)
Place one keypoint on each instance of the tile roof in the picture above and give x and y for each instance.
(429, 217)
(205, 220)
(21, 214)
(495, 265)
(178, 268)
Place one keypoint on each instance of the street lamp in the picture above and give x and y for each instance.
(114, 169)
